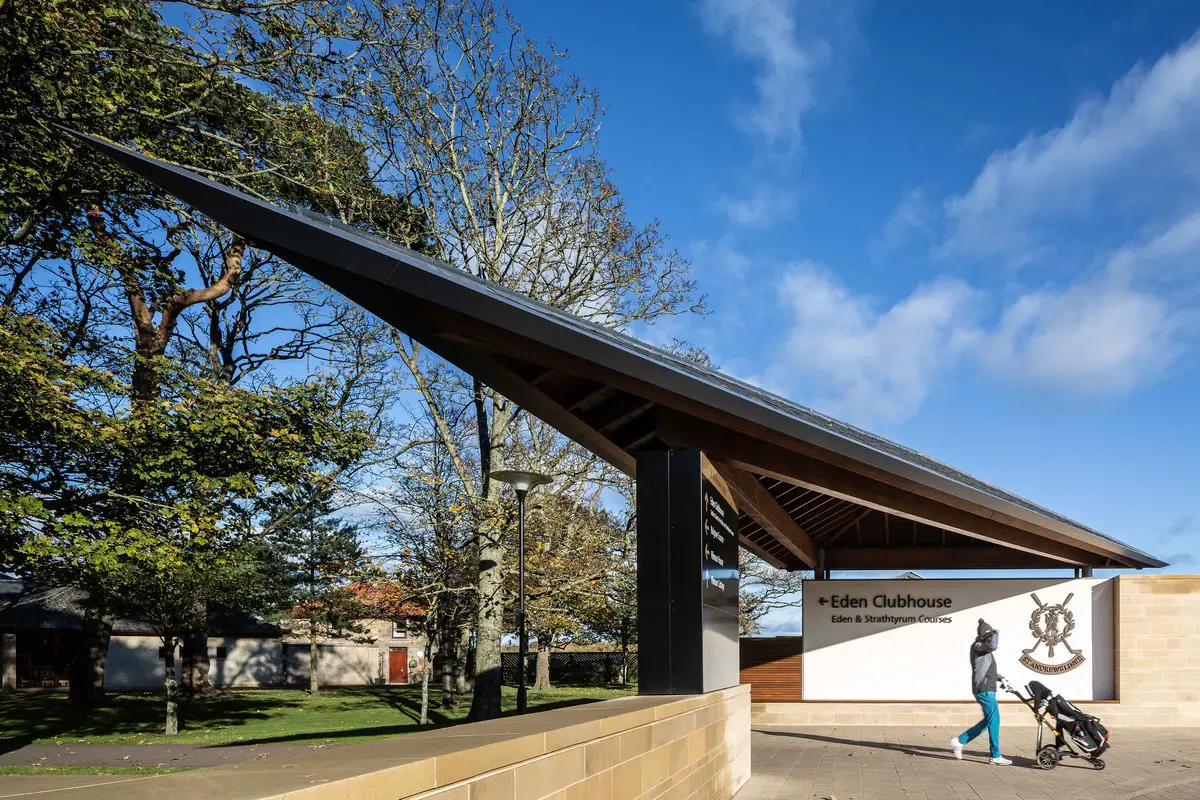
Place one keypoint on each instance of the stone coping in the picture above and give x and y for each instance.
(406, 765)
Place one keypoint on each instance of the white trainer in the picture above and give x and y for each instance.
(957, 747)
(1000, 761)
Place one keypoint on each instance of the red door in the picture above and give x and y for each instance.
(398, 665)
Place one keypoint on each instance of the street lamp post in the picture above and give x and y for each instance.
(521, 482)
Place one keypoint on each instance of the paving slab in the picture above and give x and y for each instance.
(896, 763)
(175, 756)
(34, 785)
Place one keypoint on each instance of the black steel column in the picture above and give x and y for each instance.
(687, 577)
(522, 644)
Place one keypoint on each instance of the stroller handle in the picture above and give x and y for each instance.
(1008, 687)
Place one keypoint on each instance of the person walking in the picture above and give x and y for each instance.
(983, 686)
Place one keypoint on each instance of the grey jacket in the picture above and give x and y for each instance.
(983, 663)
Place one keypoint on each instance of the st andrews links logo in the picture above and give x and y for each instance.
(1051, 625)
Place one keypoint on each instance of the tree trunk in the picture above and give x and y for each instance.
(462, 662)
(168, 658)
(450, 655)
(194, 681)
(542, 680)
(314, 662)
(91, 657)
(429, 654)
(485, 698)
(486, 695)
(624, 654)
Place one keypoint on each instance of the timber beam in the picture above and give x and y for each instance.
(900, 558)
(757, 502)
(763, 553)
(774, 461)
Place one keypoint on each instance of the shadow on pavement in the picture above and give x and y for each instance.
(939, 753)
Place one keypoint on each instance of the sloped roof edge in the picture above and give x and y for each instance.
(441, 283)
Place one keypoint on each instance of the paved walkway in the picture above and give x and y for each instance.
(180, 756)
(869, 763)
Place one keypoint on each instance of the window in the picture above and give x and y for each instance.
(222, 652)
(400, 629)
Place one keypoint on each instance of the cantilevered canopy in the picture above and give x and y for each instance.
(812, 490)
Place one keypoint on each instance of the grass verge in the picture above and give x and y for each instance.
(256, 715)
(50, 769)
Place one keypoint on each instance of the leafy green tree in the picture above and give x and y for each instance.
(611, 615)
(202, 462)
(569, 556)
(316, 560)
(116, 267)
(54, 444)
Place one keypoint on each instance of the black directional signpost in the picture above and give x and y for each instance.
(687, 575)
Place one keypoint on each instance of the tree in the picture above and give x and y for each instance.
(54, 447)
(499, 145)
(569, 554)
(218, 452)
(117, 267)
(316, 561)
(763, 589)
(612, 615)
(429, 527)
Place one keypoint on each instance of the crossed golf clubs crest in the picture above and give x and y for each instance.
(1044, 624)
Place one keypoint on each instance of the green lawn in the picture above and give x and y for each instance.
(254, 715)
(52, 770)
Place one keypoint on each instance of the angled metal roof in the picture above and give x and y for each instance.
(616, 395)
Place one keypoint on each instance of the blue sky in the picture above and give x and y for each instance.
(974, 228)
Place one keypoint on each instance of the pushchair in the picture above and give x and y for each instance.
(1076, 734)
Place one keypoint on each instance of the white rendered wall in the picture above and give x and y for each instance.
(134, 662)
(246, 662)
(922, 653)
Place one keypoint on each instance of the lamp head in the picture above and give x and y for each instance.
(520, 480)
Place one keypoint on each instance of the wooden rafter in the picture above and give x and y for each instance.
(756, 501)
(788, 465)
(859, 517)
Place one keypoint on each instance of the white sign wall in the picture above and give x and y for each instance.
(910, 639)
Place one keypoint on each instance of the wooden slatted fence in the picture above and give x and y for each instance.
(772, 668)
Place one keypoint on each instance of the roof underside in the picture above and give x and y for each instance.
(808, 487)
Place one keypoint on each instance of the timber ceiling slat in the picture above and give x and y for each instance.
(844, 515)
(830, 512)
(615, 410)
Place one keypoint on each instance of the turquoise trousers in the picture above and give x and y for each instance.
(990, 721)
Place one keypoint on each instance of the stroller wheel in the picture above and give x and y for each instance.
(1048, 757)
(1098, 763)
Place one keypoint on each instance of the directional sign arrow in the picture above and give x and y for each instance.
(823, 601)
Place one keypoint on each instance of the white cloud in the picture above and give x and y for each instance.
(1114, 191)
(911, 216)
(1168, 259)
(1127, 155)
(1110, 333)
(722, 257)
(875, 364)
(767, 205)
(769, 32)
(1182, 526)
(1096, 338)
